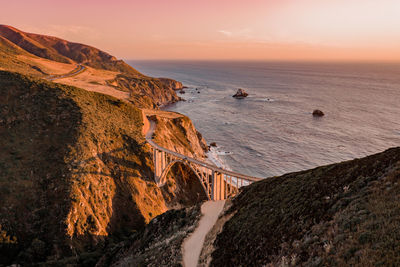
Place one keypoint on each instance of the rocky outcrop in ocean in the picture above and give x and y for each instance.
(241, 93)
(318, 113)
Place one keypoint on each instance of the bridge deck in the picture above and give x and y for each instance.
(195, 161)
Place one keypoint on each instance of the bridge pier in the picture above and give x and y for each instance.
(218, 186)
(159, 165)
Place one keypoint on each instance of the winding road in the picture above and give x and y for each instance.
(79, 69)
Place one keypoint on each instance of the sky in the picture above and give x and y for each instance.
(219, 29)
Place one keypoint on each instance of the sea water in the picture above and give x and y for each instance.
(272, 131)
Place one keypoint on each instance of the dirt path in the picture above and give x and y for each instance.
(193, 244)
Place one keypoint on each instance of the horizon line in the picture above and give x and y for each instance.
(397, 61)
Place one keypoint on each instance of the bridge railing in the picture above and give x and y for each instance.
(214, 168)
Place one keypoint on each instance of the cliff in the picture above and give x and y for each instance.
(336, 215)
(146, 92)
(176, 132)
(175, 85)
(76, 172)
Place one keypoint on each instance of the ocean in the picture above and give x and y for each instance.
(272, 131)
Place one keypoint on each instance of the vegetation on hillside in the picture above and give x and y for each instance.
(9, 59)
(144, 91)
(76, 172)
(79, 163)
(159, 244)
(336, 215)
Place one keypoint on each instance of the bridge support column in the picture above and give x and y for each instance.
(158, 165)
(218, 186)
(155, 165)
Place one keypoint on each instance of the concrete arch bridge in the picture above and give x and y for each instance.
(218, 183)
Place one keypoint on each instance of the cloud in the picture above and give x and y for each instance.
(226, 33)
(245, 33)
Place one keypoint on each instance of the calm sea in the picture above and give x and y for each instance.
(272, 131)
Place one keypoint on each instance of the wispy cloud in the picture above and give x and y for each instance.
(226, 33)
(238, 33)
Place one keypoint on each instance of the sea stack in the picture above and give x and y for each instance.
(317, 113)
(240, 94)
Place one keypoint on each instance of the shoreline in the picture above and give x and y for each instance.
(212, 153)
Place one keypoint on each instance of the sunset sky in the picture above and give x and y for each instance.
(219, 29)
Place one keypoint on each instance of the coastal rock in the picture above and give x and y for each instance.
(317, 113)
(181, 91)
(240, 93)
(175, 85)
(213, 144)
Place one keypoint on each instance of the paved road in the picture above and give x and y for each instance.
(79, 68)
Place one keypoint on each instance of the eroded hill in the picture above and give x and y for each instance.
(75, 171)
(42, 55)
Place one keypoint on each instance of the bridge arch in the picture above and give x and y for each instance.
(218, 183)
(163, 176)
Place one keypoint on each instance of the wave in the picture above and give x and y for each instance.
(214, 156)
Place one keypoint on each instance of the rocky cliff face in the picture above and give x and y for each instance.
(146, 92)
(75, 171)
(175, 85)
(177, 133)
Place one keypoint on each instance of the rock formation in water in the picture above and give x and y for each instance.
(241, 93)
(318, 113)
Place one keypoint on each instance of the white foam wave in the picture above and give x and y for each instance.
(214, 156)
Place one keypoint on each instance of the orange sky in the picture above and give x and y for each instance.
(219, 29)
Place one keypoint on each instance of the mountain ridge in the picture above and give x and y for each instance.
(27, 52)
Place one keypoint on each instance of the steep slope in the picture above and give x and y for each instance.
(336, 215)
(159, 244)
(25, 41)
(74, 170)
(344, 214)
(143, 91)
(59, 50)
(10, 59)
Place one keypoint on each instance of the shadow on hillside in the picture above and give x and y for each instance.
(121, 165)
(132, 162)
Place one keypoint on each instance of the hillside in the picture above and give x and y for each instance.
(41, 55)
(337, 215)
(59, 50)
(340, 214)
(75, 172)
